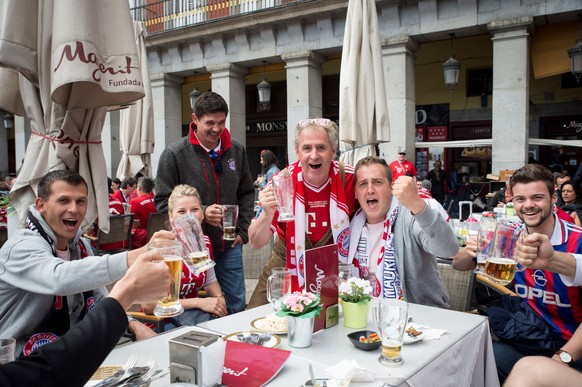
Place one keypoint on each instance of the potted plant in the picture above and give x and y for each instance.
(300, 310)
(355, 295)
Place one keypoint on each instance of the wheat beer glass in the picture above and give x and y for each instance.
(391, 316)
(283, 183)
(229, 221)
(172, 254)
(501, 264)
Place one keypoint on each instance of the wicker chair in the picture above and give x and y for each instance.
(459, 284)
(119, 233)
(156, 222)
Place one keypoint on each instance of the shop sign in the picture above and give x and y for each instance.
(432, 115)
(267, 127)
(575, 126)
(437, 133)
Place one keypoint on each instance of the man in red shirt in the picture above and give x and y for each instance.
(142, 206)
(401, 166)
(126, 191)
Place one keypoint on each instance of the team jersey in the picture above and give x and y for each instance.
(559, 305)
(142, 207)
(399, 169)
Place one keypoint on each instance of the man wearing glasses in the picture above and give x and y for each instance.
(213, 162)
(323, 201)
(401, 166)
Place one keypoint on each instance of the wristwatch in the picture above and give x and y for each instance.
(565, 357)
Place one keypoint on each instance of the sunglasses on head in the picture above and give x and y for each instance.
(214, 157)
(316, 121)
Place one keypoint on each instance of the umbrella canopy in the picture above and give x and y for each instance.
(136, 128)
(363, 104)
(75, 58)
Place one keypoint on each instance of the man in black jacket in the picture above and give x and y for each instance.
(72, 359)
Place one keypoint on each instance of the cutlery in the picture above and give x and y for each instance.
(145, 378)
(312, 375)
(264, 337)
(115, 377)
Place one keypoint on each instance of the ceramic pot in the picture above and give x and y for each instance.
(300, 331)
(356, 314)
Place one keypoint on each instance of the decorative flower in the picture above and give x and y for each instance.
(489, 214)
(355, 290)
(300, 304)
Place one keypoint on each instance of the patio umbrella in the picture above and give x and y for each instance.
(363, 104)
(75, 58)
(136, 128)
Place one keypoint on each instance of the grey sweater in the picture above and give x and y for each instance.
(30, 276)
(186, 163)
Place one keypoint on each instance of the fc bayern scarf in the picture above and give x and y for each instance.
(338, 213)
(387, 281)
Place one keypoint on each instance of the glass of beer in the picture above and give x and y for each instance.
(484, 244)
(501, 264)
(278, 286)
(229, 221)
(172, 253)
(390, 316)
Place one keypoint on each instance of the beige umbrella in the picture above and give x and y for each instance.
(136, 128)
(75, 58)
(363, 104)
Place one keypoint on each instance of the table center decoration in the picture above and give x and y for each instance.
(300, 310)
(355, 295)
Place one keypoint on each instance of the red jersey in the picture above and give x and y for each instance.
(399, 169)
(141, 208)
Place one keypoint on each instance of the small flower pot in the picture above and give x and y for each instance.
(300, 331)
(356, 314)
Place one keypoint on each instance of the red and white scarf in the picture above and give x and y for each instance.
(339, 217)
(387, 284)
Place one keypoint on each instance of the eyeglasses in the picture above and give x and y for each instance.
(402, 153)
(316, 121)
(214, 157)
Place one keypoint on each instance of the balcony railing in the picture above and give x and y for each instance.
(167, 15)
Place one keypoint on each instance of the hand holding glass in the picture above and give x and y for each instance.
(283, 184)
(391, 317)
(229, 221)
(278, 286)
(172, 253)
(501, 264)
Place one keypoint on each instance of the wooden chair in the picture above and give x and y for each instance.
(156, 222)
(484, 280)
(154, 322)
(459, 284)
(119, 233)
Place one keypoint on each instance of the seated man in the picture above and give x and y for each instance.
(126, 190)
(72, 360)
(424, 187)
(49, 279)
(142, 206)
(549, 287)
(324, 200)
(396, 237)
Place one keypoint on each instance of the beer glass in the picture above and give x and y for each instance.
(278, 286)
(484, 244)
(501, 264)
(7, 350)
(229, 221)
(391, 316)
(189, 232)
(283, 184)
(171, 252)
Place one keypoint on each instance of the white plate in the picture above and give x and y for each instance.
(272, 343)
(409, 339)
(260, 324)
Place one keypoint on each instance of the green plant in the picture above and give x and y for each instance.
(355, 290)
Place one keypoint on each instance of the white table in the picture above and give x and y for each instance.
(461, 357)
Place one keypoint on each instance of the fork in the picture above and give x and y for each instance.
(264, 337)
(138, 381)
(121, 373)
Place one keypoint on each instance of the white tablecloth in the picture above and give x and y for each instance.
(463, 356)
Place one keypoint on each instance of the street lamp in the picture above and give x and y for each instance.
(194, 94)
(451, 68)
(264, 89)
(8, 121)
(575, 54)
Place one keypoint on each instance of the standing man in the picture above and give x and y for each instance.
(142, 206)
(216, 164)
(396, 237)
(49, 279)
(401, 166)
(323, 201)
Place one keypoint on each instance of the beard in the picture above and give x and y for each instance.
(537, 220)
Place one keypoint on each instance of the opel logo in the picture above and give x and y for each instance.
(540, 278)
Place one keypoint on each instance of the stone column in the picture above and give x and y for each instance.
(228, 80)
(511, 75)
(399, 78)
(304, 97)
(167, 104)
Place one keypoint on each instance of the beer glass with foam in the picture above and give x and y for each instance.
(172, 253)
(229, 221)
(501, 264)
(391, 316)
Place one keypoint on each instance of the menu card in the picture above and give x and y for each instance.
(321, 277)
(251, 365)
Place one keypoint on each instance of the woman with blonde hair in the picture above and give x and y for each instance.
(185, 200)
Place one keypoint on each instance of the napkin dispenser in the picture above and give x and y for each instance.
(197, 358)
